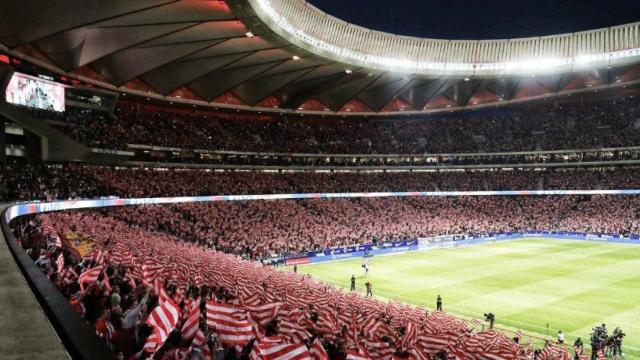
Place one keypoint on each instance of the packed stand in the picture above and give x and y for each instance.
(152, 295)
(282, 228)
(612, 123)
(20, 181)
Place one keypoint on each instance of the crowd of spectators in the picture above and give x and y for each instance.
(206, 238)
(21, 181)
(288, 227)
(229, 308)
(612, 123)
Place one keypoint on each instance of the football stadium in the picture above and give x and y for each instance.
(291, 179)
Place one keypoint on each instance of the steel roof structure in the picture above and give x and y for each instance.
(288, 56)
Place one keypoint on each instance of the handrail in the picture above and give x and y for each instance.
(77, 336)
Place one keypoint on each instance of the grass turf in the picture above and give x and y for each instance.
(571, 285)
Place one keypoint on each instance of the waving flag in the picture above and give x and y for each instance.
(317, 351)
(200, 341)
(69, 275)
(293, 331)
(150, 270)
(370, 324)
(89, 277)
(60, 263)
(361, 354)
(230, 323)
(410, 332)
(191, 325)
(378, 349)
(163, 320)
(98, 256)
(552, 351)
(271, 351)
(264, 313)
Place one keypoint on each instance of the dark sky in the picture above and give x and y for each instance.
(478, 19)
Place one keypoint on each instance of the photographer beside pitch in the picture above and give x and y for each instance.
(618, 335)
(607, 345)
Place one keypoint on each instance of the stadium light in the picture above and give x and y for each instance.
(249, 34)
(527, 66)
(296, 57)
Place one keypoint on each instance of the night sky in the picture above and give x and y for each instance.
(489, 19)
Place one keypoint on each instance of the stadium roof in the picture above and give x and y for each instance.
(286, 55)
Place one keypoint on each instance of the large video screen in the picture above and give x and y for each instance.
(30, 91)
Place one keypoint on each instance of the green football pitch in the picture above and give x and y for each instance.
(569, 285)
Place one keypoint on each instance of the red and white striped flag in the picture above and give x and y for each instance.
(163, 320)
(191, 325)
(552, 351)
(69, 275)
(252, 299)
(262, 314)
(378, 349)
(150, 270)
(230, 323)
(122, 257)
(154, 341)
(317, 351)
(294, 332)
(410, 332)
(105, 282)
(47, 229)
(158, 289)
(89, 277)
(99, 257)
(361, 354)
(215, 310)
(374, 327)
(60, 263)
(431, 344)
(274, 351)
(415, 354)
(199, 341)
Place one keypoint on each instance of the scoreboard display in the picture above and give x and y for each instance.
(34, 92)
